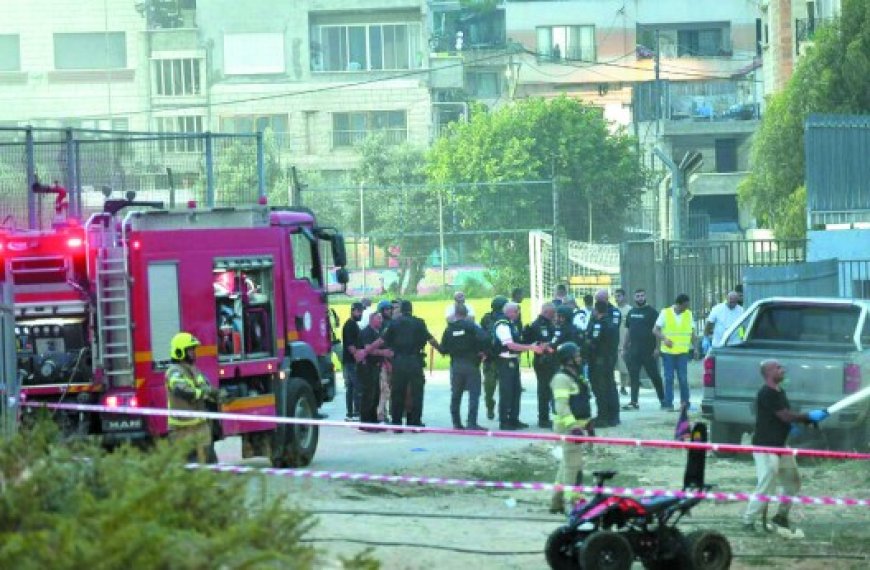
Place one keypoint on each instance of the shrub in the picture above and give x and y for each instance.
(75, 506)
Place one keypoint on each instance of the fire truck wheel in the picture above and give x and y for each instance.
(295, 444)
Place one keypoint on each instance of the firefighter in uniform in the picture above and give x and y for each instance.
(189, 390)
(567, 383)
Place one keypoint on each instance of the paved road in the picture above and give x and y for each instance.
(347, 449)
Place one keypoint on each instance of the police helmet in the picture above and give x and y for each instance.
(565, 312)
(566, 353)
(180, 343)
(499, 302)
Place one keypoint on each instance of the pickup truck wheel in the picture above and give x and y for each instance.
(294, 445)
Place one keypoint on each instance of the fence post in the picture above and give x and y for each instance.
(261, 167)
(209, 170)
(73, 200)
(8, 362)
(555, 191)
(31, 177)
(441, 241)
(77, 163)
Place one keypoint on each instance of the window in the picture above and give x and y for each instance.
(10, 52)
(365, 47)
(726, 155)
(243, 292)
(349, 129)
(254, 123)
(798, 323)
(699, 42)
(687, 40)
(305, 259)
(174, 77)
(484, 84)
(182, 125)
(97, 50)
(254, 54)
(576, 43)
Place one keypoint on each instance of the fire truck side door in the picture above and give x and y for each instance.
(305, 292)
(164, 308)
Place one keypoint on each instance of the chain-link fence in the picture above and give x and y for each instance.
(399, 236)
(211, 169)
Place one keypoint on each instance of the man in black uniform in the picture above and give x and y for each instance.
(464, 342)
(369, 356)
(773, 422)
(541, 331)
(407, 337)
(600, 341)
(349, 333)
(566, 332)
(614, 318)
(641, 348)
(490, 372)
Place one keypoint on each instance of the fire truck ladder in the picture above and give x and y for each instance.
(114, 338)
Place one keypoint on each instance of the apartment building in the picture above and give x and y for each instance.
(81, 63)
(788, 28)
(323, 74)
(681, 75)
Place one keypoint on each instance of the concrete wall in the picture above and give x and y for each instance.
(845, 245)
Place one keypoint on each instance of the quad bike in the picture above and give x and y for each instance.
(610, 532)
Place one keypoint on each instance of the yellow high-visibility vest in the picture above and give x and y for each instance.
(679, 332)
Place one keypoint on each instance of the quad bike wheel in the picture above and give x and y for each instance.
(606, 550)
(667, 552)
(705, 550)
(560, 551)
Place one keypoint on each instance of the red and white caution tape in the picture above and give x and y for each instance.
(651, 443)
(641, 492)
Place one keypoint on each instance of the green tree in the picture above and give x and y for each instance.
(832, 77)
(596, 172)
(401, 212)
(236, 171)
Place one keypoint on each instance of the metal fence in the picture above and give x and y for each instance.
(706, 270)
(212, 169)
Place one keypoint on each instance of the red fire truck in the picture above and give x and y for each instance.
(97, 304)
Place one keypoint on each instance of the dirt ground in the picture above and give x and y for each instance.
(416, 527)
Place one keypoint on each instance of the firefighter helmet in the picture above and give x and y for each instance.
(567, 353)
(180, 343)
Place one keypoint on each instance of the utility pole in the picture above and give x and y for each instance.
(658, 84)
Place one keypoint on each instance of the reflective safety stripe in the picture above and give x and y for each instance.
(176, 375)
(566, 421)
(680, 333)
(565, 392)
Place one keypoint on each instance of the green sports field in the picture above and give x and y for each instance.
(432, 311)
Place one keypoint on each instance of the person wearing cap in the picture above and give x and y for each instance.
(388, 311)
(458, 300)
(406, 337)
(187, 389)
(349, 334)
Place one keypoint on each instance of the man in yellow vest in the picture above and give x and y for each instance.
(568, 382)
(189, 390)
(675, 331)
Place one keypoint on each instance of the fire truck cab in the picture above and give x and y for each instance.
(96, 307)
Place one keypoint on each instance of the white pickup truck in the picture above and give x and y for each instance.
(823, 343)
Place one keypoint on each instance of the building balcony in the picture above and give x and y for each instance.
(177, 39)
(715, 183)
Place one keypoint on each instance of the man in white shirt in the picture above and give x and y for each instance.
(458, 299)
(508, 365)
(723, 316)
(367, 312)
